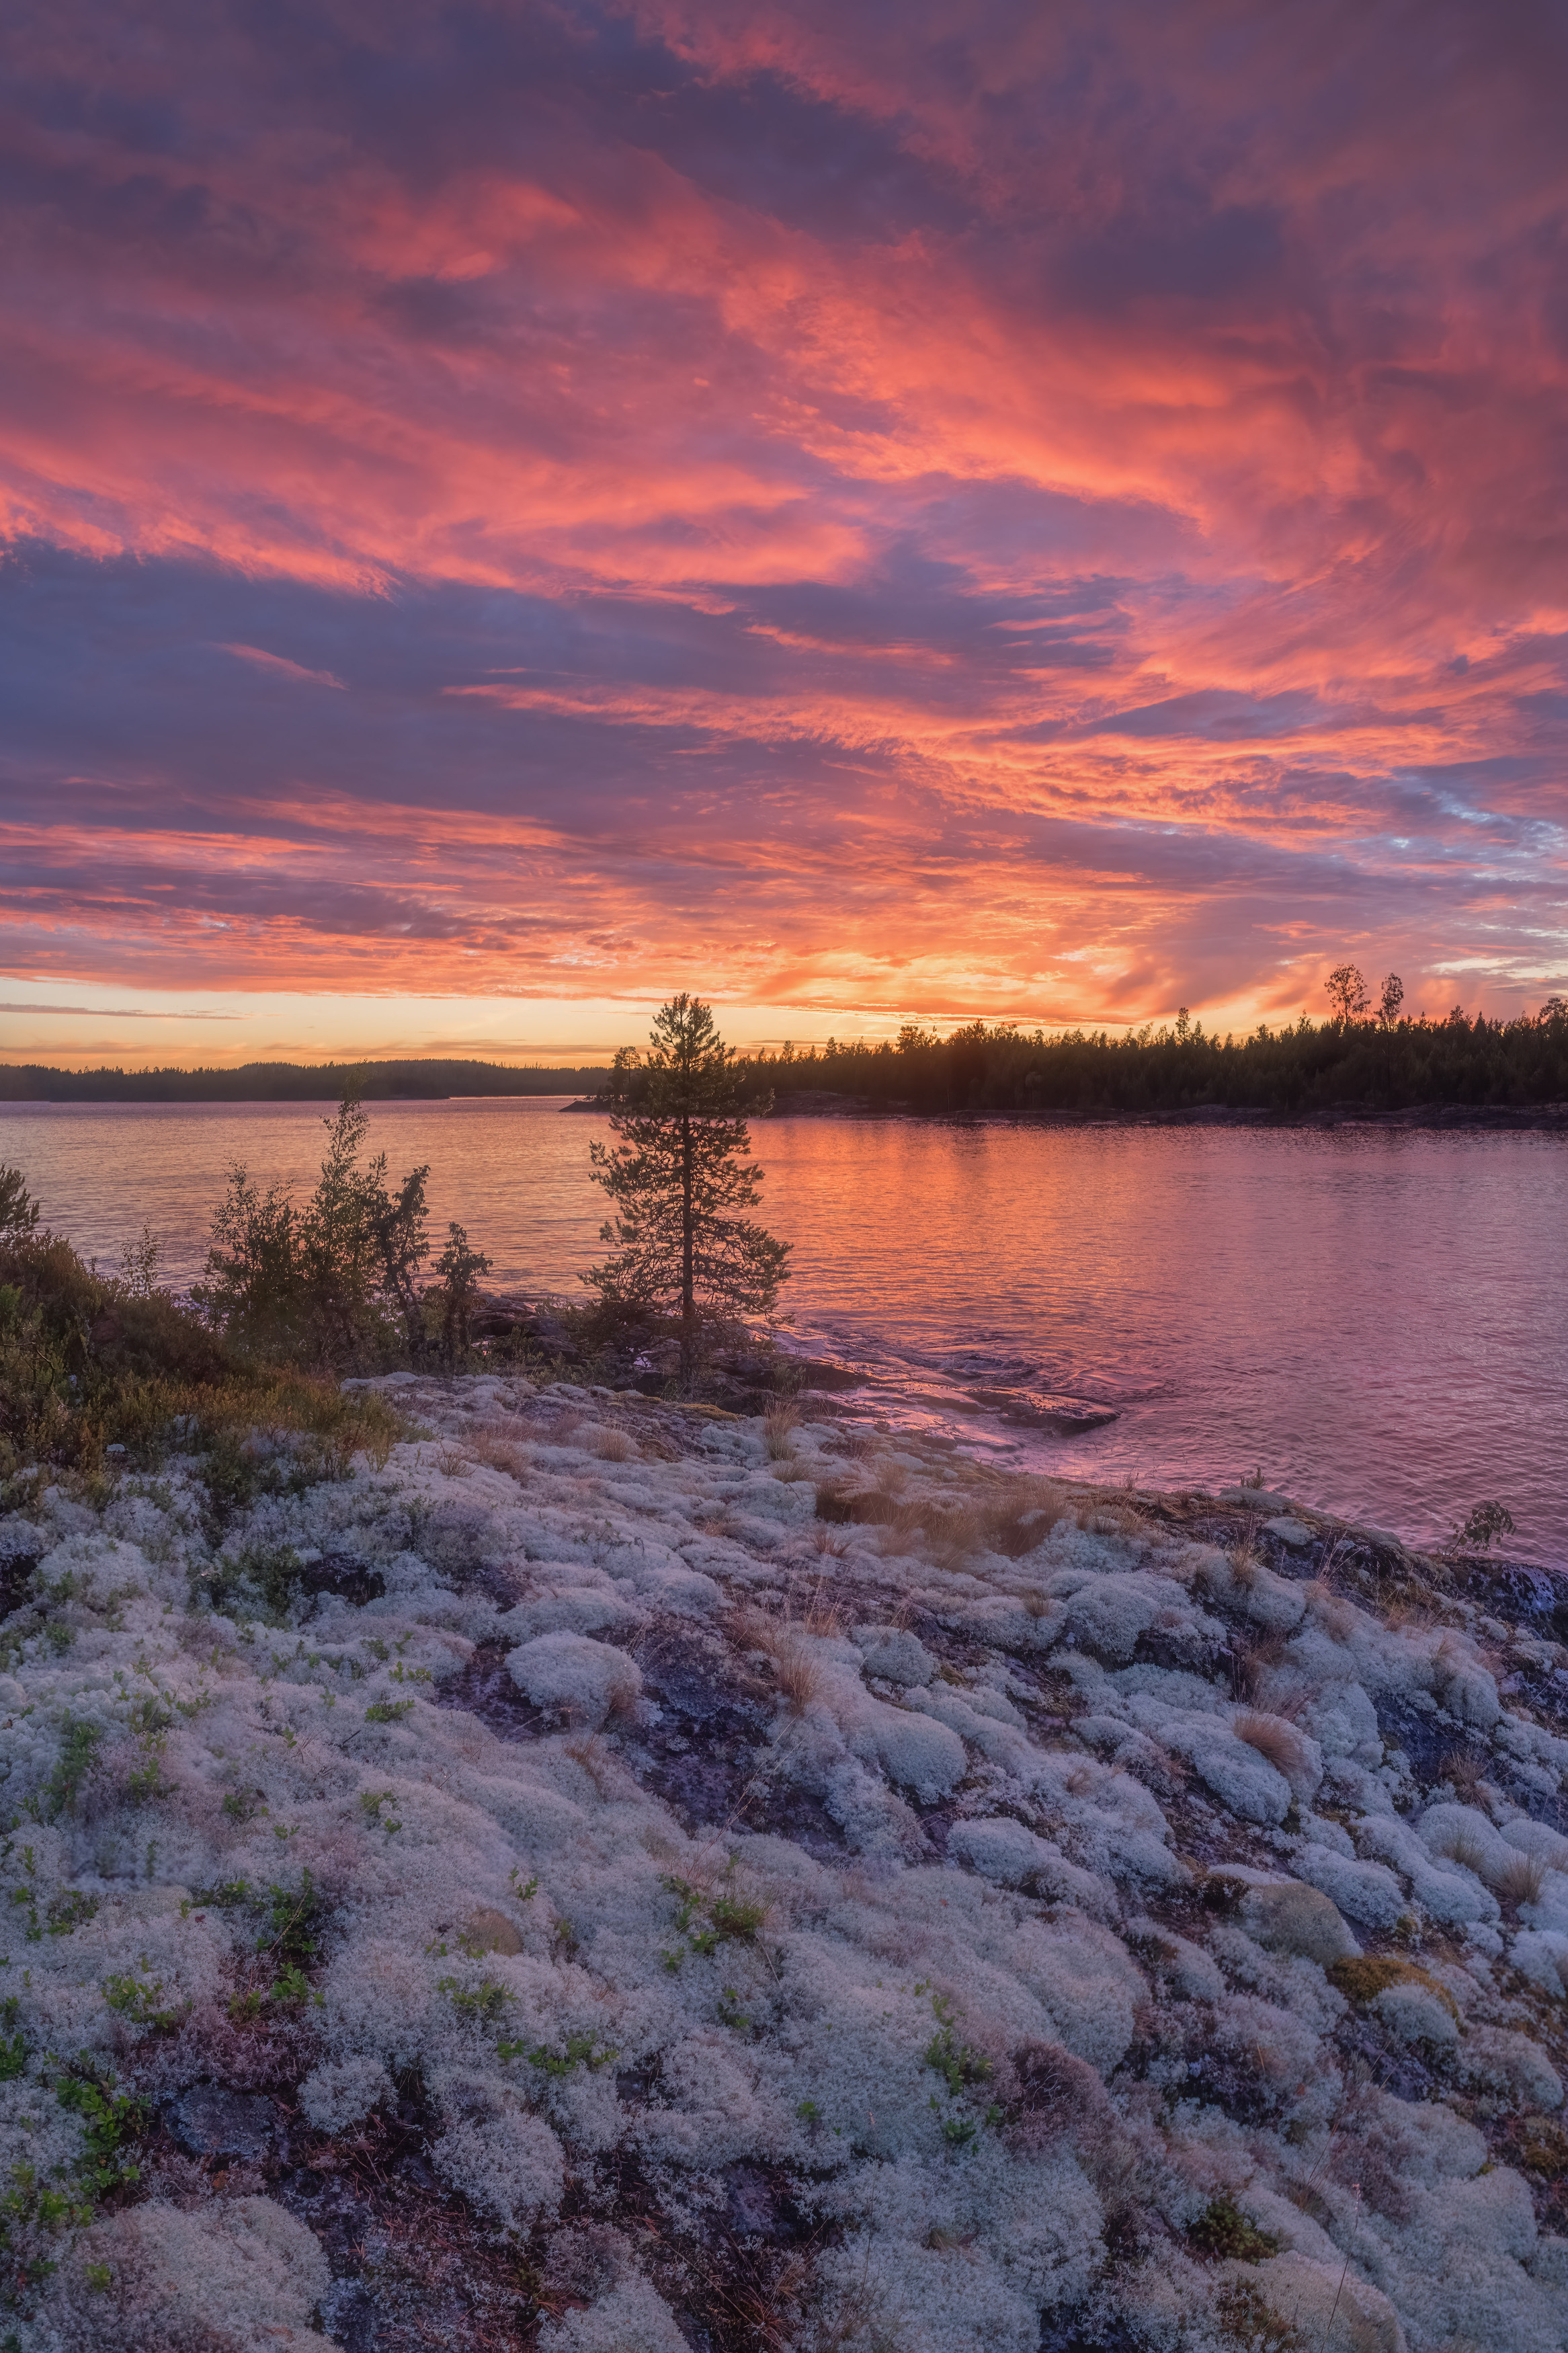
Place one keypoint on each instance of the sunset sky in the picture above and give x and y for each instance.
(868, 510)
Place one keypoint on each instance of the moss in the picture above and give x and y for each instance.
(1363, 1979)
(1222, 2228)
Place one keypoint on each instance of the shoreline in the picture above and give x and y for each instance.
(1443, 1118)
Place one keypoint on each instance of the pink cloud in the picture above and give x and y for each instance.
(1002, 502)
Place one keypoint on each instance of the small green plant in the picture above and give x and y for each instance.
(737, 1916)
(71, 1910)
(481, 2005)
(30, 2208)
(99, 2278)
(291, 1935)
(114, 2121)
(141, 1999)
(809, 2112)
(582, 2051)
(387, 1711)
(959, 2064)
(80, 1743)
(271, 1571)
(1222, 2228)
(13, 2042)
(729, 1918)
(372, 1803)
(729, 2011)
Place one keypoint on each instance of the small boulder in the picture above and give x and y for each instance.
(209, 2120)
(487, 1930)
(1292, 1532)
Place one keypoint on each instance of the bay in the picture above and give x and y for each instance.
(1373, 1321)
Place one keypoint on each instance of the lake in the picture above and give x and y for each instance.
(1372, 1320)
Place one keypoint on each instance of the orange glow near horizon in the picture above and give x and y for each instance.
(1046, 519)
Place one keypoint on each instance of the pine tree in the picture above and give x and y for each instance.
(682, 1180)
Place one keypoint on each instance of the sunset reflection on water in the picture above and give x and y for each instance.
(1372, 1320)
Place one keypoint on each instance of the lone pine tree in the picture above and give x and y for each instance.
(682, 1181)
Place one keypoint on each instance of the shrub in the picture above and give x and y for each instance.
(332, 1282)
(459, 1268)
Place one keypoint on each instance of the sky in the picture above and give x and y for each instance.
(869, 511)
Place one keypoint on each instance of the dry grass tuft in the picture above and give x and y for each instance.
(1520, 1880)
(1278, 1741)
(1333, 1612)
(601, 1764)
(798, 1676)
(1463, 1847)
(614, 1445)
(1244, 1563)
(1464, 1771)
(949, 1535)
(1250, 1661)
(513, 1455)
(779, 1423)
(786, 1640)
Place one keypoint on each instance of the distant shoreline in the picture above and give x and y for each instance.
(428, 1081)
(1453, 1118)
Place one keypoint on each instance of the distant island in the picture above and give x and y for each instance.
(1455, 1071)
(294, 1082)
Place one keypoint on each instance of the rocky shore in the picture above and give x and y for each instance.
(612, 1876)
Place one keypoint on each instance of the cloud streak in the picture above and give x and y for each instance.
(1049, 514)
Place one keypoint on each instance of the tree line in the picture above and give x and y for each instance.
(1374, 1061)
(419, 1081)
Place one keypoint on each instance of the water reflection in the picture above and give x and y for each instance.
(1372, 1320)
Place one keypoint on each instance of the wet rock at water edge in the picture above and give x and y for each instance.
(1068, 1417)
(1288, 1531)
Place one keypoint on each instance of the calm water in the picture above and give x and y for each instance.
(1374, 1320)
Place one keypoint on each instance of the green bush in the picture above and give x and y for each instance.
(332, 1283)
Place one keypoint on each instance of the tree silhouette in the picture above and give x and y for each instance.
(1347, 992)
(1392, 997)
(682, 1180)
